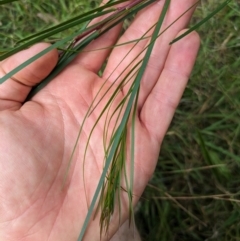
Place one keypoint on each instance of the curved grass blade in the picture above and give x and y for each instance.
(120, 106)
(124, 120)
(108, 104)
(106, 107)
(90, 108)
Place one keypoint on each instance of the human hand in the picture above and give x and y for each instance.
(37, 137)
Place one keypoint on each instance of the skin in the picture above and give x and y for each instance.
(37, 137)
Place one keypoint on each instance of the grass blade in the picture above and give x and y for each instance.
(218, 9)
(124, 121)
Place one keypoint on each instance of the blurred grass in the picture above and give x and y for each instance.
(194, 193)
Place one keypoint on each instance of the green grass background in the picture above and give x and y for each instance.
(194, 193)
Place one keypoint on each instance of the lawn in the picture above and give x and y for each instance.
(194, 192)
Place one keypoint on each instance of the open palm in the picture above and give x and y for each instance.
(37, 137)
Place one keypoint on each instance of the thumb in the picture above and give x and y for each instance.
(14, 91)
